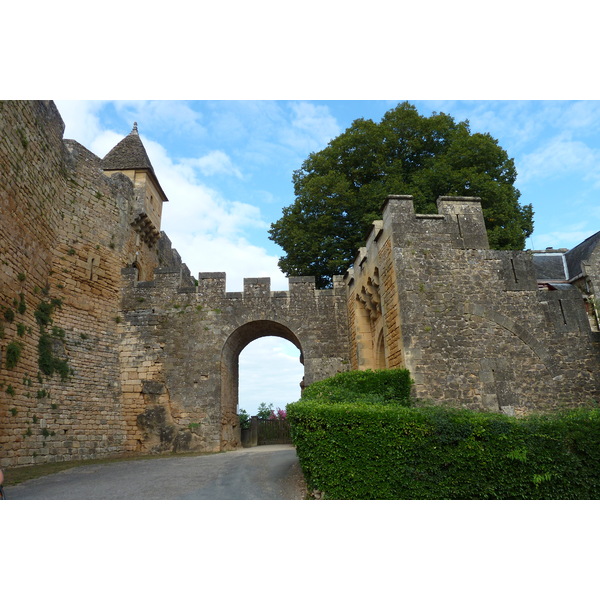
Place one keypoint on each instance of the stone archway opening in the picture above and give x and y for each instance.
(235, 344)
(270, 372)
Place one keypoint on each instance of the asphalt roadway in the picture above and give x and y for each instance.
(260, 473)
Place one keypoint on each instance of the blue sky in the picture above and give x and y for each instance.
(262, 69)
(235, 160)
(227, 166)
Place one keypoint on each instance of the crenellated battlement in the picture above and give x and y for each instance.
(211, 286)
(204, 328)
(458, 223)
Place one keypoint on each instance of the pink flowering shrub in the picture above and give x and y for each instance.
(278, 414)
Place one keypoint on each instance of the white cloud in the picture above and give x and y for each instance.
(208, 230)
(267, 132)
(81, 120)
(270, 372)
(195, 206)
(581, 115)
(561, 155)
(571, 234)
(312, 127)
(561, 239)
(511, 123)
(236, 257)
(104, 142)
(162, 115)
(215, 162)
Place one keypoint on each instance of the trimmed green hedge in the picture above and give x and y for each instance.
(368, 450)
(386, 386)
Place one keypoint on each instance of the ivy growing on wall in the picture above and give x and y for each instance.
(20, 304)
(47, 361)
(13, 353)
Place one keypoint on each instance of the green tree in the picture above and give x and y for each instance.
(244, 418)
(264, 411)
(340, 189)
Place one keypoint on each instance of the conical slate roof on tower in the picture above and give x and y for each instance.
(128, 154)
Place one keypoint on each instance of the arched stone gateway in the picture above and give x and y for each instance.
(186, 348)
(232, 349)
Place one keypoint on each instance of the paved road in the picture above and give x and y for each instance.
(261, 473)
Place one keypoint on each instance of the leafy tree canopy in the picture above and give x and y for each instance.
(340, 189)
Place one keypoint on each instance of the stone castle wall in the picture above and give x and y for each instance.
(61, 276)
(475, 330)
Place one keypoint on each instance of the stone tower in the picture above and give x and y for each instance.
(130, 158)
